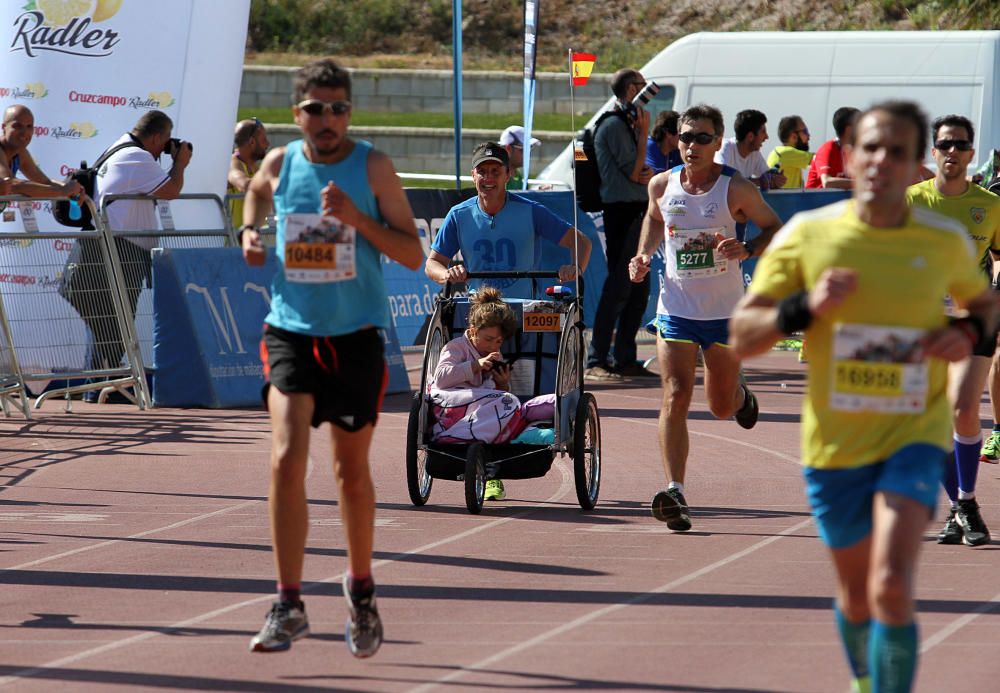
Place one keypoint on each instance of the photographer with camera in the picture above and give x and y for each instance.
(132, 170)
(620, 146)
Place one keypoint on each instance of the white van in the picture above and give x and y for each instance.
(812, 74)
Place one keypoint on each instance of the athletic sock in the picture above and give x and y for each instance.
(677, 485)
(291, 594)
(967, 461)
(892, 651)
(996, 428)
(360, 586)
(854, 637)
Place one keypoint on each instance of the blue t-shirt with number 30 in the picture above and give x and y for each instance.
(506, 242)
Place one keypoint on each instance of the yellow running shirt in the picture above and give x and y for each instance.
(792, 163)
(871, 391)
(977, 209)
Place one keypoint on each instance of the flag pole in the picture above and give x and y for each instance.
(576, 220)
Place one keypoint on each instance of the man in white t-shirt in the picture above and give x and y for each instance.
(742, 152)
(132, 170)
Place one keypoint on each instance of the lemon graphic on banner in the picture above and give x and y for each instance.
(86, 130)
(162, 97)
(37, 88)
(61, 12)
(106, 9)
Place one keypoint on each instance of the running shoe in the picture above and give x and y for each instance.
(748, 413)
(669, 506)
(600, 374)
(991, 449)
(286, 622)
(494, 490)
(974, 529)
(951, 533)
(363, 630)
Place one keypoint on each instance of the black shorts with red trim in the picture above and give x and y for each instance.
(346, 375)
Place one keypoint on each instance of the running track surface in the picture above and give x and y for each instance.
(136, 556)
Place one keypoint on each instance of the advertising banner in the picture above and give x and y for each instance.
(88, 69)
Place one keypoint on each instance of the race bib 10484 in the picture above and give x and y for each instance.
(878, 369)
(318, 249)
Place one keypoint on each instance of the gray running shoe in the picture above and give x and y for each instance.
(286, 622)
(974, 529)
(363, 631)
(669, 506)
(952, 532)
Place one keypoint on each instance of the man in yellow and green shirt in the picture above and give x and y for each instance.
(792, 156)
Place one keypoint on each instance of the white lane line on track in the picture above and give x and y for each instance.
(929, 643)
(566, 486)
(593, 615)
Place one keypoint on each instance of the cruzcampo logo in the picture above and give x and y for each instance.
(978, 214)
(66, 26)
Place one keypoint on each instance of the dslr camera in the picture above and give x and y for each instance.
(649, 91)
(174, 145)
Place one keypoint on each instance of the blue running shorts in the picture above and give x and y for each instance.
(841, 499)
(704, 333)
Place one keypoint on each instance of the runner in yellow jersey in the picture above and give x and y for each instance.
(951, 194)
(864, 278)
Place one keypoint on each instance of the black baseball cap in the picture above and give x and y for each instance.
(490, 151)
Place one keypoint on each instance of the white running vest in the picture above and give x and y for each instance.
(698, 283)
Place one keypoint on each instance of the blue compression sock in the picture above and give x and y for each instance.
(854, 637)
(892, 651)
(967, 461)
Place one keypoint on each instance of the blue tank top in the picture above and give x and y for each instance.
(331, 308)
(15, 164)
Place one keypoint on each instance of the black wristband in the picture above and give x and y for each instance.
(793, 313)
(973, 328)
(239, 234)
(748, 244)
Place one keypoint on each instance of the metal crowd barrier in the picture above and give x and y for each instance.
(133, 249)
(48, 280)
(268, 232)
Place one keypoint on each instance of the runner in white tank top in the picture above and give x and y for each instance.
(695, 209)
(699, 282)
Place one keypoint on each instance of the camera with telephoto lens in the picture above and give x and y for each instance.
(174, 145)
(649, 91)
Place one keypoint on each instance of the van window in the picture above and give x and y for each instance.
(663, 101)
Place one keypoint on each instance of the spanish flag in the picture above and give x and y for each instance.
(583, 64)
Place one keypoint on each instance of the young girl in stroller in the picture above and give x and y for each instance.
(470, 395)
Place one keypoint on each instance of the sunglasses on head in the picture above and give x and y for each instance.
(315, 107)
(699, 137)
(960, 145)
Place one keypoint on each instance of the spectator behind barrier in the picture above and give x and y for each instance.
(742, 152)
(792, 156)
(130, 171)
(250, 144)
(512, 140)
(827, 169)
(661, 146)
(18, 129)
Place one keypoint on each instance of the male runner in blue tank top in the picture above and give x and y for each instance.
(695, 208)
(322, 353)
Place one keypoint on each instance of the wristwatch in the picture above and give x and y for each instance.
(748, 244)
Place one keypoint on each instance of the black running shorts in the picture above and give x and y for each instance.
(346, 375)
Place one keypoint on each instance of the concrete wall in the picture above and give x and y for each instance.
(431, 91)
(431, 150)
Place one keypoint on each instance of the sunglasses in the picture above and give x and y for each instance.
(315, 107)
(960, 145)
(699, 137)
(804, 131)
